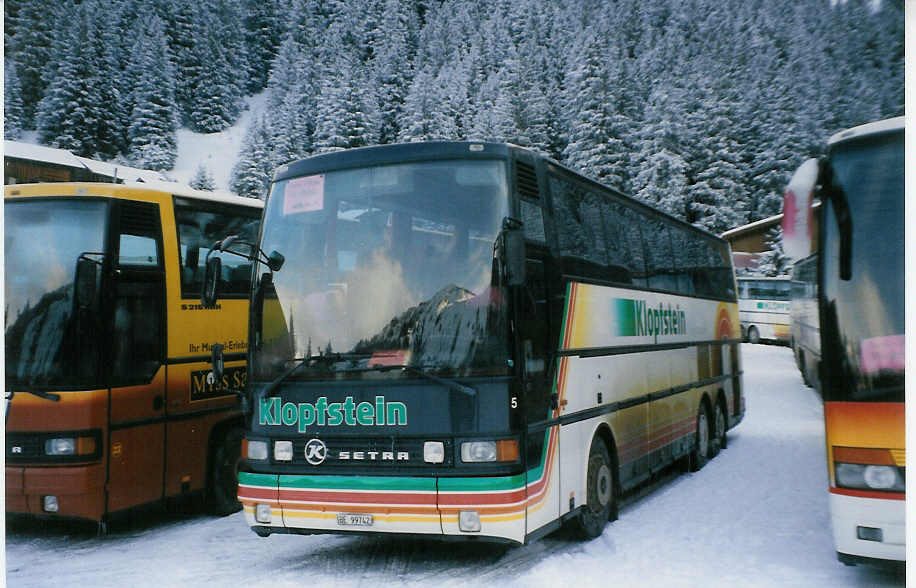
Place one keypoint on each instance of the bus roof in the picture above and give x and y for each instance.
(110, 189)
(429, 150)
(388, 154)
(872, 128)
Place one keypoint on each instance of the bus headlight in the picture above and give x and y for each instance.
(484, 451)
(257, 450)
(70, 446)
(869, 477)
(867, 468)
(60, 446)
(283, 450)
(880, 477)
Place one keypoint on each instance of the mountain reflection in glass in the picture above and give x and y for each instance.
(387, 265)
(50, 342)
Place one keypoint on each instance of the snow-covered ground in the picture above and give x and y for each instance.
(754, 516)
(218, 152)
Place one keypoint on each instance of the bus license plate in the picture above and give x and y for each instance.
(347, 519)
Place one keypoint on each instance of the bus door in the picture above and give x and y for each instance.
(536, 339)
(136, 445)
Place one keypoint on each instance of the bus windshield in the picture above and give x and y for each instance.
(388, 266)
(865, 315)
(48, 343)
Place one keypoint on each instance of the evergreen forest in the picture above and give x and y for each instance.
(702, 108)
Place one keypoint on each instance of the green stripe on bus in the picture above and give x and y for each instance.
(362, 483)
(494, 484)
(258, 479)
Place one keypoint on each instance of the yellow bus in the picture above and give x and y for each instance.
(472, 340)
(108, 347)
(861, 308)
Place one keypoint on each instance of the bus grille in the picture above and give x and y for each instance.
(371, 452)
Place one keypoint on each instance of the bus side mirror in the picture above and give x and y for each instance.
(275, 261)
(210, 290)
(85, 288)
(216, 361)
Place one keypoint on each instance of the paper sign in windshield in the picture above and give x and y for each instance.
(884, 354)
(304, 195)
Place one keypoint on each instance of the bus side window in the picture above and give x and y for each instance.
(137, 321)
(200, 225)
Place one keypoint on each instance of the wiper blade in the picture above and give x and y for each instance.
(45, 395)
(329, 358)
(418, 370)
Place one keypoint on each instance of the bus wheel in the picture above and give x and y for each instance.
(594, 515)
(700, 454)
(803, 368)
(224, 473)
(753, 336)
(718, 438)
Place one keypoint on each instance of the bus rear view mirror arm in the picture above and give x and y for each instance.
(213, 268)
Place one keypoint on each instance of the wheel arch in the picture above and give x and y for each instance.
(603, 431)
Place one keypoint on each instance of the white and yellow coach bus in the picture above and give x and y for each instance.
(469, 339)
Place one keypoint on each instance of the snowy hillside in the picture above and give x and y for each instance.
(218, 152)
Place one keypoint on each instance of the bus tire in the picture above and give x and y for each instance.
(720, 427)
(700, 455)
(224, 468)
(803, 368)
(753, 336)
(600, 495)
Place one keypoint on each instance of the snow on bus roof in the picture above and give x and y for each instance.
(188, 192)
(872, 128)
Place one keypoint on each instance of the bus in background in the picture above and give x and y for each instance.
(763, 308)
(471, 340)
(861, 308)
(108, 404)
(806, 333)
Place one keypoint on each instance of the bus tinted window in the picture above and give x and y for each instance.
(533, 221)
(625, 243)
(578, 218)
(659, 257)
(765, 290)
(199, 227)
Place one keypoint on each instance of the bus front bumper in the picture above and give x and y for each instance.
(77, 491)
(880, 521)
(389, 505)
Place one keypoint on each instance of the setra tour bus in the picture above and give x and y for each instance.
(764, 307)
(471, 340)
(109, 404)
(861, 307)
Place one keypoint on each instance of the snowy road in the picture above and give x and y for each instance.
(754, 516)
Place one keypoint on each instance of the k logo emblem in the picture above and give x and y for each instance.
(315, 451)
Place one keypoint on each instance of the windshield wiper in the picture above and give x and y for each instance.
(45, 395)
(329, 358)
(418, 370)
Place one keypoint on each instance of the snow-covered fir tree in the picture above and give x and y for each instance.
(774, 261)
(12, 103)
(203, 179)
(750, 89)
(154, 116)
(253, 171)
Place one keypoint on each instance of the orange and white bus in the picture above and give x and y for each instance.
(471, 340)
(108, 347)
(861, 307)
